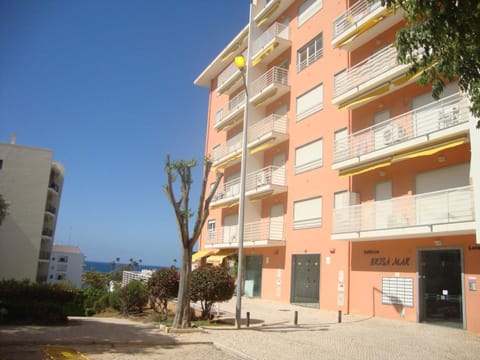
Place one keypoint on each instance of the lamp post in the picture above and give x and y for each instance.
(240, 63)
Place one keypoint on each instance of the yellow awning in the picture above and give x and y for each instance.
(429, 151)
(200, 254)
(364, 169)
(369, 96)
(267, 15)
(262, 146)
(258, 59)
(218, 257)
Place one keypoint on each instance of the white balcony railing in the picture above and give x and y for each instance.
(229, 148)
(274, 31)
(271, 124)
(230, 191)
(358, 11)
(225, 114)
(270, 178)
(274, 76)
(266, 177)
(431, 118)
(261, 232)
(430, 210)
(368, 69)
(228, 77)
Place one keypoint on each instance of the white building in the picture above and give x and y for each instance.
(31, 183)
(66, 264)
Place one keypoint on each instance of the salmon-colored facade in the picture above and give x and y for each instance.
(359, 186)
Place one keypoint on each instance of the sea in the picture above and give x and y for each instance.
(105, 267)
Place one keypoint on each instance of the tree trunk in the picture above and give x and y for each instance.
(182, 312)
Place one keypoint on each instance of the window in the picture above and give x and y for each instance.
(63, 259)
(307, 10)
(340, 145)
(310, 53)
(307, 213)
(218, 116)
(309, 102)
(211, 229)
(309, 156)
(1, 163)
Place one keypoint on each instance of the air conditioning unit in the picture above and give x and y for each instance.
(393, 134)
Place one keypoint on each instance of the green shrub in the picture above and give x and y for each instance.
(211, 284)
(133, 297)
(114, 300)
(162, 287)
(35, 303)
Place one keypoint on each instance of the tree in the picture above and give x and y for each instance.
(183, 169)
(162, 287)
(440, 41)
(3, 209)
(211, 284)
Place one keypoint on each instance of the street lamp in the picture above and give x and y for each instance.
(240, 63)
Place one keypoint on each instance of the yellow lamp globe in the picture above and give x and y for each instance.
(240, 61)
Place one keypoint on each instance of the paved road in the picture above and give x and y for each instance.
(272, 335)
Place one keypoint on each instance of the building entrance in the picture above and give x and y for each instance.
(253, 276)
(306, 280)
(440, 281)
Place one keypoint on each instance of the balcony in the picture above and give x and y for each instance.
(439, 213)
(377, 75)
(231, 113)
(268, 232)
(362, 22)
(228, 152)
(47, 232)
(230, 79)
(267, 133)
(44, 255)
(268, 181)
(391, 140)
(53, 187)
(269, 87)
(271, 44)
(271, 11)
(51, 210)
(259, 184)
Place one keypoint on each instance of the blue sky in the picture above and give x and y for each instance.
(108, 86)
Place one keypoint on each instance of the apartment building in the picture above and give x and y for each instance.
(31, 182)
(66, 265)
(359, 193)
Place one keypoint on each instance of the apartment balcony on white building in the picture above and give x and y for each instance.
(269, 87)
(423, 131)
(266, 232)
(229, 152)
(376, 75)
(273, 42)
(362, 22)
(267, 132)
(230, 114)
(51, 211)
(230, 79)
(439, 213)
(259, 184)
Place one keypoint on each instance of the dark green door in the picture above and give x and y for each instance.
(306, 279)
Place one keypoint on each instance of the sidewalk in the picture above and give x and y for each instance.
(271, 335)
